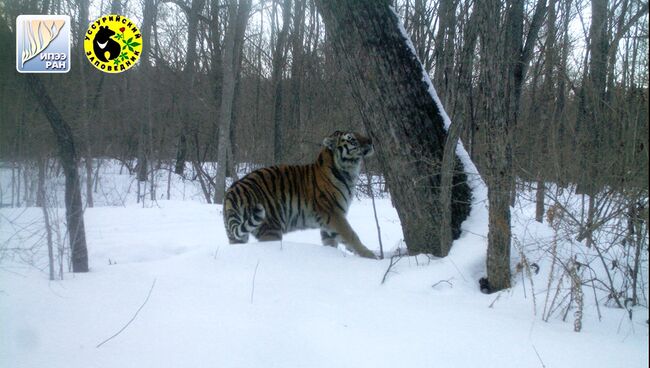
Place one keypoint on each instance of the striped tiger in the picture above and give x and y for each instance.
(275, 200)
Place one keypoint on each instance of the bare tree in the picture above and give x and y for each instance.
(238, 13)
(145, 144)
(279, 59)
(503, 63)
(68, 157)
(187, 127)
(295, 135)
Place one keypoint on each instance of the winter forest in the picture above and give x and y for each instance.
(506, 202)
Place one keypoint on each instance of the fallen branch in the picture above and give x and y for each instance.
(448, 281)
(132, 318)
(393, 261)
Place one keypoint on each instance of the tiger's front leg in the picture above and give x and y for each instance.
(339, 224)
(329, 238)
(268, 233)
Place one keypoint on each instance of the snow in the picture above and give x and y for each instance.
(293, 303)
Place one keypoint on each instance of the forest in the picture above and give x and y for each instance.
(547, 98)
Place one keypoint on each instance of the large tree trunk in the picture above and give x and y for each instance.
(68, 156)
(399, 113)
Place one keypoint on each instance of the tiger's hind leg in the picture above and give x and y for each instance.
(267, 233)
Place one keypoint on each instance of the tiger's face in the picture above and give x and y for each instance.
(348, 148)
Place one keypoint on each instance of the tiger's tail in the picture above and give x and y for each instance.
(242, 221)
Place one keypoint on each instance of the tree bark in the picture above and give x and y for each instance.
(68, 156)
(399, 113)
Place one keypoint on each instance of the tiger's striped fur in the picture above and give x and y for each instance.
(275, 200)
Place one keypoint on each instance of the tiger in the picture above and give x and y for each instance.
(273, 201)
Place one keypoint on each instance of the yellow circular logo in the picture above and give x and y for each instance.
(113, 43)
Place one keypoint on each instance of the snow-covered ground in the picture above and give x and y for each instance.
(280, 304)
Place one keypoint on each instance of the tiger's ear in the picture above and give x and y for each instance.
(329, 142)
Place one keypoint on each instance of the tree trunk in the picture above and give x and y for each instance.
(461, 100)
(399, 113)
(504, 59)
(592, 102)
(146, 123)
(84, 113)
(296, 134)
(279, 58)
(448, 171)
(497, 83)
(444, 66)
(445, 50)
(188, 79)
(547, 111)
(237, 18)
(68, 156)
(42, 202)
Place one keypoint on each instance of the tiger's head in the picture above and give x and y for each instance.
(348, 148)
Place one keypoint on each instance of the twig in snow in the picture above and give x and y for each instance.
(456, 267)
(253, 285)
(393, 261)
(525, 267)
(448, 281)
(132, 318)
(539, 357)
(495, 300)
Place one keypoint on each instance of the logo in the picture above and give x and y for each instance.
(113, 43)
(43, 43)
